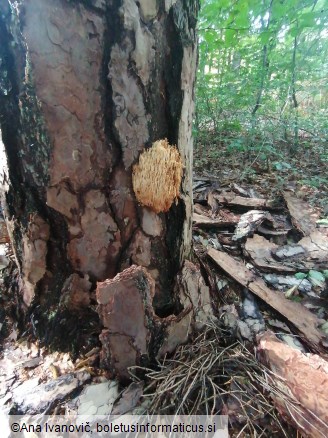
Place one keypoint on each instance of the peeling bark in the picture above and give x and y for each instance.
(86, 87)
(302, 382)
(134, 335)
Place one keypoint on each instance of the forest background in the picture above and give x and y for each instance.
(262, 92)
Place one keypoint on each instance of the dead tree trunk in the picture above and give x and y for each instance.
(85, 87)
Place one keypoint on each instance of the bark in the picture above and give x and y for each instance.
(85, 87)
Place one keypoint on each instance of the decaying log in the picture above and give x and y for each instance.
(305, 322)
(133, 333)
(298, 210)
(302, 380)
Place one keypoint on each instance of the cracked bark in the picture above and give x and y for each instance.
(85, 87)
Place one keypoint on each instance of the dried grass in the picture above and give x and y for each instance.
(213, 375)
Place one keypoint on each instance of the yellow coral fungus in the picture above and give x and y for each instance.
(157, 177)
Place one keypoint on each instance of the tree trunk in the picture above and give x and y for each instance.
(85, 87)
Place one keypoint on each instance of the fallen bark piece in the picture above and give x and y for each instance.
(310, 253)
(230, 198)
(125, 309)
(260, 251)
(245, 193)
(271, 233)
(297, 314)
(299, 211)
(302, 382)
(316, 245)
(206, 222)
(249, 222)
(200, 209)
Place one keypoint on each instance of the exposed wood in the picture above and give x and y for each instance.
(304, 382)
(298, 210)
(305, 322)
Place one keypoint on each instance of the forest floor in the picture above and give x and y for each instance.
(267, 172)
(231, 196)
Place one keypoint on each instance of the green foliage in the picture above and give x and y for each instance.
(263, 72)
(317, 278)
(300, 275)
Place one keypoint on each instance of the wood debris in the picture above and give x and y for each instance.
(233, 200)
(249, 222)
(298, 210)
(305, 321)
(202, 221)
(303, 384)
(260, 250)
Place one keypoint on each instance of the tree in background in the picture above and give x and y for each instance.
(263, 67)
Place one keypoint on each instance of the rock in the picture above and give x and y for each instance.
(285, 282)
(251, 315)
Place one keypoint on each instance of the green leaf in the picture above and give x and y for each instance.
(294, 31)
(308, 19)
(264, 37)
(300, 275)
(325, 273)
(316, 278)
(230, 37)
